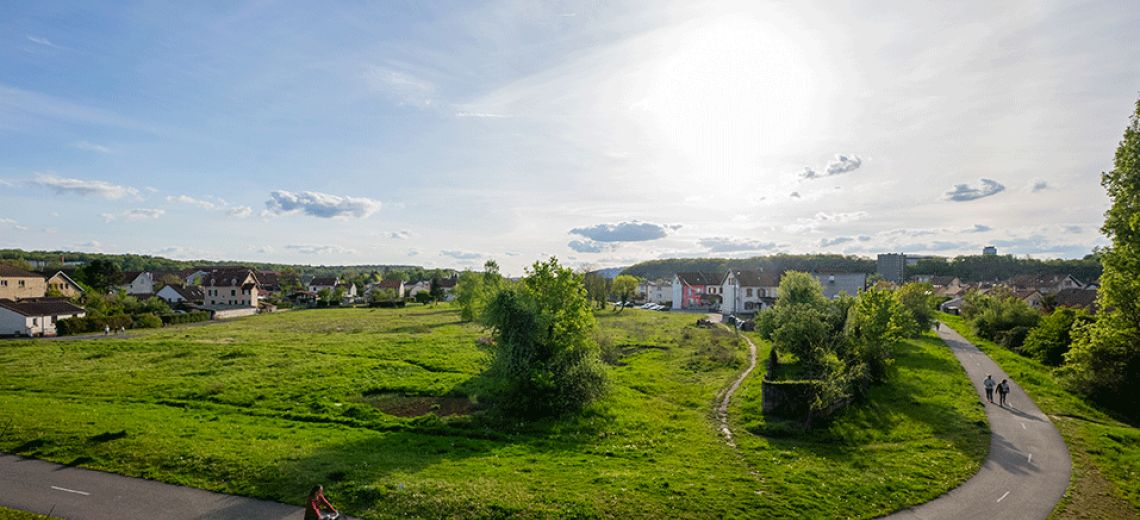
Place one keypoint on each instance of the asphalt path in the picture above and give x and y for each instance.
(1028, 468)
(80, 494)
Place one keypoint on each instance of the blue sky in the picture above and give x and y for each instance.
(446, 134)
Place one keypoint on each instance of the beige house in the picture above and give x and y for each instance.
(64, 284)
(230, 289)
(17, 283)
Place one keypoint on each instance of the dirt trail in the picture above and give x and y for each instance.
(722, 408)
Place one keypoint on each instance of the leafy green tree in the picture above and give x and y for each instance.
(1051, 338)
(325, 296)
(435, 290)
(1104, 361)
(798, 323)
(289, 280)
(916, 299)
(396, 275)
(873, 328)
(1000, 316)
(474, 290)
(423, 297)
(624, 287)
(102, 275)
(597, 288)
(543, 358)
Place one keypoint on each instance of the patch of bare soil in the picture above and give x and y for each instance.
(418, 406)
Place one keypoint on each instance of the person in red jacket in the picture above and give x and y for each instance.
(313, 504)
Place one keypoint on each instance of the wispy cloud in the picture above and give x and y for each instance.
(478, 114)
(133, 215)
(828, 242)
(978, 228)
(320, 250)
(733, 245)
(963, 192)
(44, 41)
(91, 147)
(191, 200)
(402, 87)
(590, 246)
(1036, 185)
(84, 188)
(461, 255)
(320, 205)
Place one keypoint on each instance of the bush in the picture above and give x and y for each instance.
(147, 321)
(72, 326)
(1051, 338)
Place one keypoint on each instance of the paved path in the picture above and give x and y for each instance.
(80, 494)
(1028, 468)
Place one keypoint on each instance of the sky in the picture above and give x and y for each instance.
(446, 134)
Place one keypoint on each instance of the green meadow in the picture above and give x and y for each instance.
(384, 407)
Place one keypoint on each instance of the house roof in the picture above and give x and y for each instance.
(227, 278)
(192, 292)
(324, 281)
(942, 281)
(390, 284)
(756, 278)
(1079, 298)
(8, 271)
(41, 308)
(699, 278)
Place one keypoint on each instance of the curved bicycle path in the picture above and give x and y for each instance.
(1028, 468)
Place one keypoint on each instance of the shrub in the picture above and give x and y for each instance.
(147, 321)
(1050, 339)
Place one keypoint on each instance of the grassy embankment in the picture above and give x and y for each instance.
(268, 405)
(1105, 452)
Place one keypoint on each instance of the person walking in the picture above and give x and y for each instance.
(1003, 390)
(989, 383)
(313, 504)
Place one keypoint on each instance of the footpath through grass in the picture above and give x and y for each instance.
(267, 406)
(1105, 452)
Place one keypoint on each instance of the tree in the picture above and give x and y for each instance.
(102, 275)
(1051, 338)
(798, 323)
(1104, 361)
(624, 288)
(325, 295)
(597, 288)
(915, 298)
(542, 355)
(474, 290)
(289, 280)
(436, 291)
(873, 328)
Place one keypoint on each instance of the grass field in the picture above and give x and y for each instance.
(266, 406)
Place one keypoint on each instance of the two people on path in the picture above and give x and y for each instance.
(314, 503)
(1002, 389)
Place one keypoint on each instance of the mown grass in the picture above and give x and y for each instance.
(267, 406)
(9, 514)
(1105, 452)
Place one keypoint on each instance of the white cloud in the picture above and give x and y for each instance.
(842, 164)
(1036, 185)
(239, 211)
(134, 215)
(963, 192)
(321, 250)
(44, 41)
(632, 231)
(590, 246)
(190, 200)
(828, 242)
(83, 188)
(320, 205)
(461, 255)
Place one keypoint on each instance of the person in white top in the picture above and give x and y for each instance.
(989, 383)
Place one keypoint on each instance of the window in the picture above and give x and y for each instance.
(233, 292)
(3, 283)
(21, 283)
(748, 293)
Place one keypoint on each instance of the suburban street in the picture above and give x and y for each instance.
(1028, 467)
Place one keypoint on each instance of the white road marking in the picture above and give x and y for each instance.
(1030, 457)
(57, 488)
(1023, 426)
(1003, 496)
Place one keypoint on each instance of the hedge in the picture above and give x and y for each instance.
(180, 319)
(70, 326)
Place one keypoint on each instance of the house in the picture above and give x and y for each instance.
(16, 283)
(396, 286)
(836, 282)
(657, 292)
(691, 290)
(748, 291)
(268, 282)
(179, 293)
(35, 318)
(59, 281)
(230, 289)
(1032, 297)
(1077, 299)
(349, 291)
(447, 285)
(1047, 284)
(323, 282)
(946, 285)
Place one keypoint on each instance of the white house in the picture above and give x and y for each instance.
(747, 291)
(178, 293)
(835, 282)
(36, 318)
(657, 292)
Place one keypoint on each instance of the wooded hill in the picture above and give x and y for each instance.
(975, 268)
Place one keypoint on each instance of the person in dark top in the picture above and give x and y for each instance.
(313, 504)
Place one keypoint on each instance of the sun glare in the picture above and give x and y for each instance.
(728, 92)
